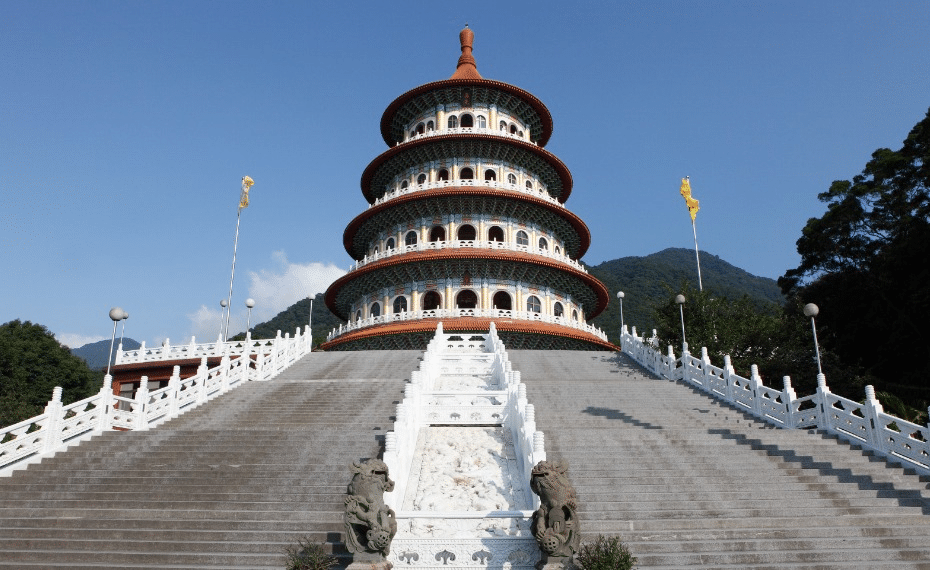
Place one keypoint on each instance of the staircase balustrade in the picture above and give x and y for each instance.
(60, 426)
(865, 424)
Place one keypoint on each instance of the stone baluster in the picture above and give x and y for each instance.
(142, 404)
(53, 423)
(224, 374)
(174, 392)
(105, 405)
(728, 374)
(203, 373)
(788, 397)
(707, 377)
(825, 420)
(872, 410)
(755, 381)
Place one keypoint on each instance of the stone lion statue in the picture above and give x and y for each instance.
(370, 524)
(555, 523)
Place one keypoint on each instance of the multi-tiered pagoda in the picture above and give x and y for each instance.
(467, 226)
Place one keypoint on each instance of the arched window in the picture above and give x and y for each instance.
(400, 304)
(438, 233)
(557, 309)
(513, 129)
(504, 126)
(490, 175)
(443, 174)
(413, 134)
(403, 184)
(574, 315)
(453, 121)
(375, 310)
(520, 134)
(358, 315)
(533, 305)
(467, 233)
(529, 185)
(523, 238)
(511, 178)
(375, 251)
(558, 251)
(410, 238)
(466, 299)
(543, 244)
(431, 301)
(389, 244)
(421, 128)
(421, 179)
(466, 174)
(429, 126)
(501, 301)
(482, 122)
(467, 121)
(495, 234)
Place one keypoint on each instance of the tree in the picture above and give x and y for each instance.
(32, 364)
(864, 263)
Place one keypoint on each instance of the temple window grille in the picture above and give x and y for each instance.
(543, 243)
(453, 121)
(523, 238)
(533, 305)
(389, 244)
(375, 309)
(557, 309)
(421, 179)
(410, 238)
(400, 304)
(511, 178)
(482, 122)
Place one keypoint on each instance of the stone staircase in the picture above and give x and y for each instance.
(689, 482)
(226, 486)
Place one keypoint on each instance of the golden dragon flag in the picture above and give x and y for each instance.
(693, 205)
(247, 183)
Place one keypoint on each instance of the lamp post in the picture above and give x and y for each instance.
(116, 315)
(811, 310)
(249, 303)
(620, 296)
(223, 305)
(680, 299)
(122, 330)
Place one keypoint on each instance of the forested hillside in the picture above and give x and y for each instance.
(298, 315)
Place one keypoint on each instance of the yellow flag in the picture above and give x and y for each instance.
(244, 197)
(693, 205)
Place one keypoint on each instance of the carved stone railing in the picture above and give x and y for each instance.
(453, 313)
(865, 424)
(434, 539)
(61, 426)
(539, 192)
(467, 244)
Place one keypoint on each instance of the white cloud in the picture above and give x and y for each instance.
(273, 289)
(72, 340)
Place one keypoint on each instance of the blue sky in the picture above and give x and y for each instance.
(125, 128)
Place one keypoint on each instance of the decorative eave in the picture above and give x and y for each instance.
(559, 183)
(436, 93)
(421, 260)
(468, 324)
(582, 231)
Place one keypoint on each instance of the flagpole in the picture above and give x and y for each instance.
(232, 276)
(697, 255)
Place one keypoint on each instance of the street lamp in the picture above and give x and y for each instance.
(620, 296)
(680, 299)
(811, 310)
(223, 305)
(122, 330)
(249, 303)
(116, 315)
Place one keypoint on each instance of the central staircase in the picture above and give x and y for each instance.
(684, 480)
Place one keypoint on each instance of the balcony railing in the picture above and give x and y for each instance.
(539, 193)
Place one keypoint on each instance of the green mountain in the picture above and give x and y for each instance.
(298, 315)
(650, 280)
(95, 354)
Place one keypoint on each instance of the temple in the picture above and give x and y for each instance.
(467, 224)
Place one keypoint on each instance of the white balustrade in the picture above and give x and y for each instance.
(60, 426)
(469, 244)
(453, 313)
(865, 424)
(539, 193)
